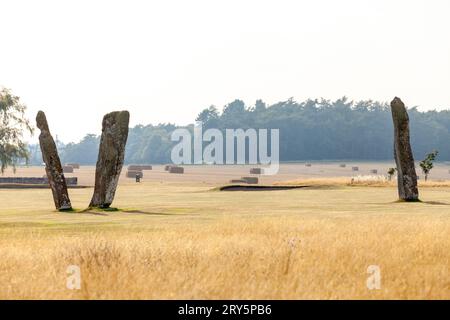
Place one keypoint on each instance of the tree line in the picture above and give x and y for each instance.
(310, 130)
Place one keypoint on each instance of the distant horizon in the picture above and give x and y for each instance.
(34, 140)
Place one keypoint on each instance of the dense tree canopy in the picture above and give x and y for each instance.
(309, 130)
(12, 126)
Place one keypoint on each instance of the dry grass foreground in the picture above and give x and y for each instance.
(179, 241)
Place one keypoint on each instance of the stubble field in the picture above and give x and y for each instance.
(176, 237)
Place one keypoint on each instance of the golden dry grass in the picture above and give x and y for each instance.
(361, 181)
(267, 259)
(184, 241)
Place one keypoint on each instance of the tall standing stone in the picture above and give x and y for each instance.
(53, 166)
(110, 157)
(407, 177)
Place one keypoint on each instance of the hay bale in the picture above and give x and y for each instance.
(374, 171)
(132, 174)
(140, 167)
(237, 181)
(355, 168)
(256, 171)
(70, 181)
(250, 180)
(73, 165)
(342, 165)
(174, 169)
(134, 167)
(67, 169)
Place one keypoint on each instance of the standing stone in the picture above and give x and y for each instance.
(110, 157)
(53, 166)
(407, 177)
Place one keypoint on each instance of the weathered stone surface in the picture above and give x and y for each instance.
(53, 166)
(110, 157)
(407, 177)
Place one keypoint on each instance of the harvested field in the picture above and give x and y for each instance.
(186, 240)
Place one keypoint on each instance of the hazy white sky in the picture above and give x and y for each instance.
(167, 60)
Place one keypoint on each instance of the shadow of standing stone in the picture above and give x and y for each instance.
(407, 177)
(110, 158)
(53, 166)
